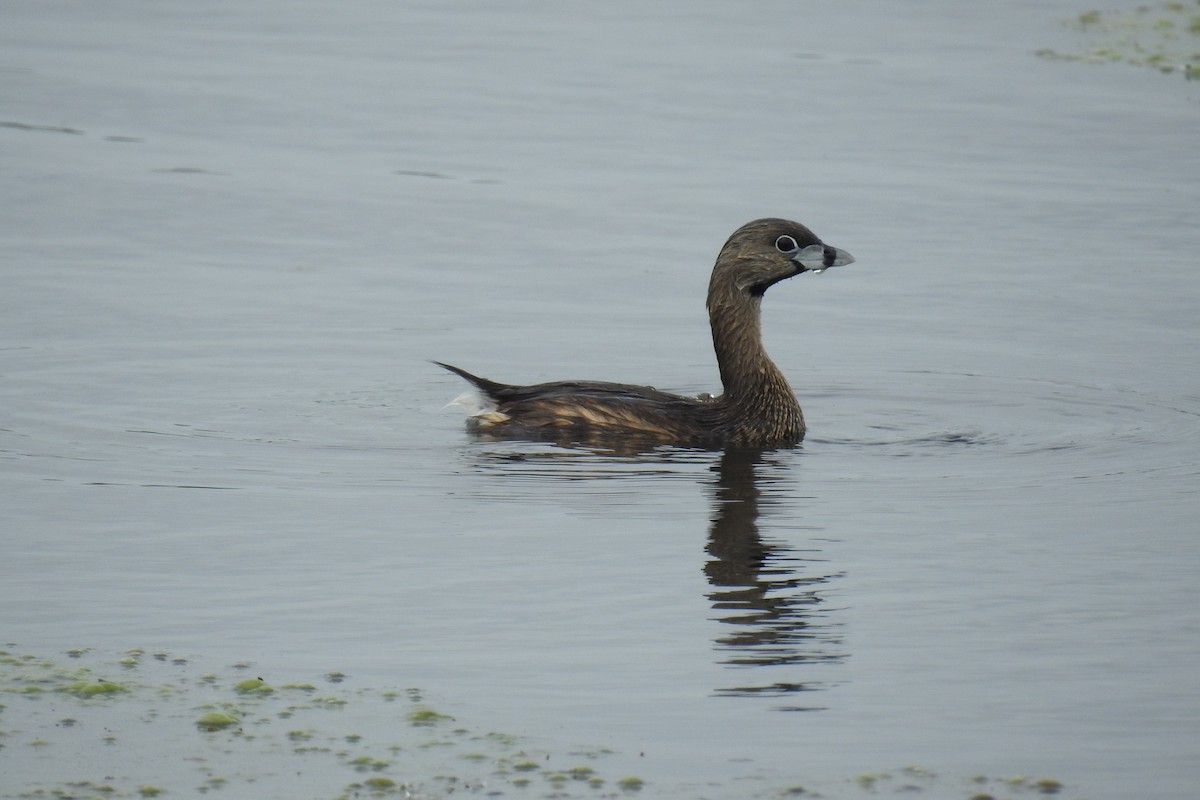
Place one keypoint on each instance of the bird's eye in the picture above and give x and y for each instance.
(786, 244)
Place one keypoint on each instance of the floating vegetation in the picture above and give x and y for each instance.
(426, 716)
(217, 720)
(869, 779)
(174, 730)
(93, 689)
(243, 739)
(252, 686)
(1165, 36)
(379, 783)
(369, 764)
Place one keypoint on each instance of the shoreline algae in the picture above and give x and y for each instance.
(1165, 36)
(174, 729)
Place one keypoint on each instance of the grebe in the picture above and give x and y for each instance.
(757, 407)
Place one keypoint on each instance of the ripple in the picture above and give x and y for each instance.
(539, 462)
(967, 438)
(1092, 429)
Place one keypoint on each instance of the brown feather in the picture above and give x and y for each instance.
(757, 407)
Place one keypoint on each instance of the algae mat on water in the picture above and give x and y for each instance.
(148, 724)
(145, 724)
(1165, 37)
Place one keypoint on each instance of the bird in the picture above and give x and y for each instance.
(757, 407)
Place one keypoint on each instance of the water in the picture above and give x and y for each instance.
(234, 235)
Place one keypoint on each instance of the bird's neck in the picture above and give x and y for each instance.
(752, 381)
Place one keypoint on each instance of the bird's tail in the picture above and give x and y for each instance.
(490, 389)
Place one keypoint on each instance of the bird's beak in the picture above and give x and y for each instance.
(820, 257)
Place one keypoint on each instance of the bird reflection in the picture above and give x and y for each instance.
(764, 589)
(768, 595)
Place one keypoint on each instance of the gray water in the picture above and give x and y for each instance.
(234, 234)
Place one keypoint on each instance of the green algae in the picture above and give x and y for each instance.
(217, 720)
(380, 787)
(434, 743)
(426, 716)
(88, 689)
(1048, 785)
(918, 772)
(1165, 37)
(367, 763)
(869, 779)
(255, 750)
(252, 686)
(631, 783)
(506, 739)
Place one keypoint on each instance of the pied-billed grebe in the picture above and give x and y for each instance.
(757, 407)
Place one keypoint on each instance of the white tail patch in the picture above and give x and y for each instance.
(487, 419)
(476, 405)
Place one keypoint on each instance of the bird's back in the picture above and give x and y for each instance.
(588, 409)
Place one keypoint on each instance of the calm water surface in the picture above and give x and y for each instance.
(234, 235)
